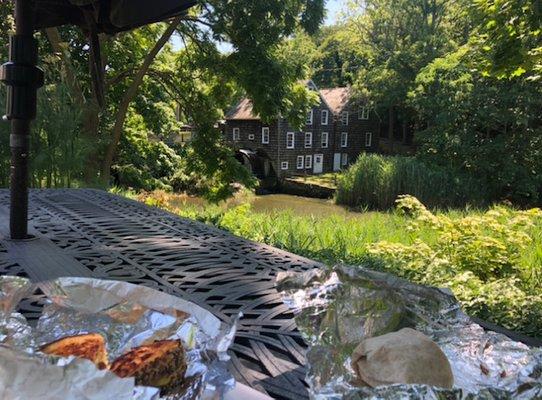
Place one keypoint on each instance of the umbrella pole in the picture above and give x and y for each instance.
(22, 78)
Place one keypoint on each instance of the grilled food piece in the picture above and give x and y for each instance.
(161, 364)
(90, 346)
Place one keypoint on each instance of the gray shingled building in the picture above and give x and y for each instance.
(336, 132)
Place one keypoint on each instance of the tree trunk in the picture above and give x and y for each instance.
(68, 71)
(391, 124)
(129, 96)
(405, 132)
(89, 108)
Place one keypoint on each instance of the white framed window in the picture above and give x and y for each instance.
(265, 135)
(344, 139)
(310, 117)
(308, 140)
(284, 165)
(300, 162)
(344, 118)
(290, 140)
(364, 113)
(344, 159)
(251, 136)
(236, 134)
(368, 139)
(325, 117)
(308, 162)
(325, 140)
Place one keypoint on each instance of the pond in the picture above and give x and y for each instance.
(298, 205)
(277, 202)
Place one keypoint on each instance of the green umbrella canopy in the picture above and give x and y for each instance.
(106, 16)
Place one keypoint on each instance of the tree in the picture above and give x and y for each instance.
(255, 30)
(130, 94)
(510, 35)
(488, 128)
(341, 56)
(139, 80)
(399, 38)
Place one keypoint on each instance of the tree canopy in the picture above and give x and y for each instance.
(457, 79)
(146, 79)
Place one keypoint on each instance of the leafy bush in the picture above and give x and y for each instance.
(478, 257)
(375, 181)
(144, 161)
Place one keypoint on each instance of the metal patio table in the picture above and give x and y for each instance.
(86, 233)
(91, 233)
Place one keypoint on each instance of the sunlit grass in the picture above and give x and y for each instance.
(347, 237)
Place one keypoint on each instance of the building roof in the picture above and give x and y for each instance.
(336, 98)
(243, 111)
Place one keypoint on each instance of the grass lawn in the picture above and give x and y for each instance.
(491, 260)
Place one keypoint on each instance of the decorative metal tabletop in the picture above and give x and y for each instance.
(81, 232)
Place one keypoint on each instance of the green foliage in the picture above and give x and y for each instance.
(478, 257)
(339, 57)
(144, 162)
(399, 38)
(490, 260)
(198, 78)
(375, 181)
(510, 37)
(487, 128)
(58, 151)
(255, 30)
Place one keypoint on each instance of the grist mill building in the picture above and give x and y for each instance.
(335, 133)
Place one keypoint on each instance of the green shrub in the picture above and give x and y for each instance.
(477, 256)
(375, 181)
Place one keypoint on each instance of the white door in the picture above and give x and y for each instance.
(318, 163)
(337, 162)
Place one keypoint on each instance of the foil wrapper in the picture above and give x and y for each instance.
(127, 316)
(336, 309)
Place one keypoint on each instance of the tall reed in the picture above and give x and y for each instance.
(376, 181)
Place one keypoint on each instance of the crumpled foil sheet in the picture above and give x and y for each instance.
(127, 316)
(336, 309)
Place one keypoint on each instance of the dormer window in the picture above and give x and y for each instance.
(344, 118)
(364, 113)
(325, 117)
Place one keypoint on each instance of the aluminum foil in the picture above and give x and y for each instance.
(127, 316)
(14, 329)
(336, 309)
